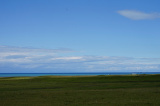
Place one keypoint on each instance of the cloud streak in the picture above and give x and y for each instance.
(42, 60)
(138, 15)
(29, 49)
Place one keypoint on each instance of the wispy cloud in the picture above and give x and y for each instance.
(138, 15)
(24, 54)
(42, 60)
(30, 50)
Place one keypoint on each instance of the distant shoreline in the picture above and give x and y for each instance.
(72, 74)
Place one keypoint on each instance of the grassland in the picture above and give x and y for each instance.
(137, 90)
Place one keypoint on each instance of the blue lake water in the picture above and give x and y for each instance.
(71, 74)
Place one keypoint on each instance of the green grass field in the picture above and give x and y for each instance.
(137, 90)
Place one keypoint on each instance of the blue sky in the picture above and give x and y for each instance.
(79, 35)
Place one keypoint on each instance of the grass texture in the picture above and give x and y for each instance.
(128, 90)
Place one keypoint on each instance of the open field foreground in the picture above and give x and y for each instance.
(137, 90)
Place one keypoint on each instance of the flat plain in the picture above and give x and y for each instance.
(102, 90)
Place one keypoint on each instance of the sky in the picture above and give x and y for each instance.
(57, 36)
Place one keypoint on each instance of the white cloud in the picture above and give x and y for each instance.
(28, 50)
(137, 15)
(28, 55)
(67, 58)
(46, 59)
